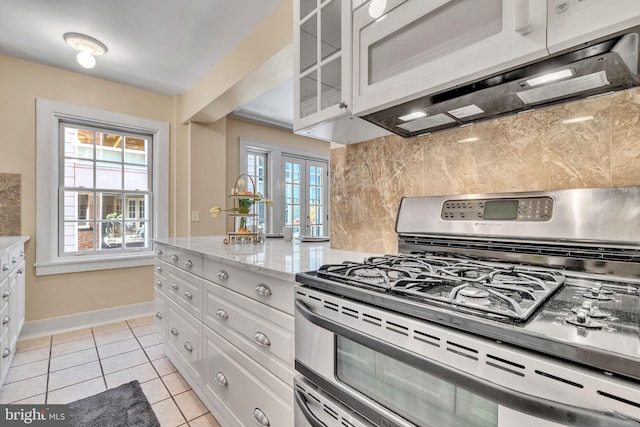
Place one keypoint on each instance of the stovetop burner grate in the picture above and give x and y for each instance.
(486, 288)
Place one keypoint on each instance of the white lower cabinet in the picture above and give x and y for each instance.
(12, 301)
(236, 382)
(229, 332)
(184, 341)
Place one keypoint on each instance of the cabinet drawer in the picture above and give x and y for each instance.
(185, 260)
(5, 320)
(183, 340)
(268, 290)
(159, 250)
(160, 312)
(160, 267)
(249, 390)
(263, 333)
(186, 290)
(16, 255)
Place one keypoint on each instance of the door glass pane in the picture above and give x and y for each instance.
(330, 31)
(293, 190)
(307, 6)
(331, 84)
(316, 190)
(309, 43)
(411, 392)
(447, 29)
(309, 94)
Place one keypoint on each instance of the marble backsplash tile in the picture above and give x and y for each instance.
(589, 143)
(10, 204)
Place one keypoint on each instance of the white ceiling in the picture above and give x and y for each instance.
(163, 46)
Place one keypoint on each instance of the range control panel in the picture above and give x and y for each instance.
(508, 209)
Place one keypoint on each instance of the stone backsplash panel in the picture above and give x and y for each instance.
(10, 204)
(589, 143)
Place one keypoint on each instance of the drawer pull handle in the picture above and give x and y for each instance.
(222, 314)
(20, 271)
(222, 275)
(159, 252)
(188, 264)
(6, 293)
(159, 315)
(188, 294)
(6, 320)
(260, 417)
(21, 254)
(174, 286)
(5, 267)
(221, 379)
(159, 283)
(159, 269)
(174, 331)
(174, 258)
(188, 346)
(6, 352)
(261, 339)
(263, 290)
(14, 260)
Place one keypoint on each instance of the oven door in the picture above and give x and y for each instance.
(421, 47)
(391, 386)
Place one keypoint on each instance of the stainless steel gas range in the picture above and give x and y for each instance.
(512, 309)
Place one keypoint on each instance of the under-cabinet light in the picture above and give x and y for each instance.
(577, 120)
(551, 77)
(413, 116)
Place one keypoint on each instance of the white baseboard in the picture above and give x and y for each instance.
(56, 325)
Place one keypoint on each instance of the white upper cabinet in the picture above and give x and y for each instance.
(323, 61)
(572, 22)
(323, 73)
(407, 48)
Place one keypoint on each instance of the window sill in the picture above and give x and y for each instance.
(94, 264)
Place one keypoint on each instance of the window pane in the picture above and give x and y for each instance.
(78, 173)
(109, 147)
(135, 234)
(136, 178)
(78, 205)
(110, 234)
(109, 175)
(136, 150)
(110, 205)
(78, 143)
(78, 236)
(136, 206)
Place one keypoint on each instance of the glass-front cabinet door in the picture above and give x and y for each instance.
(322, 61)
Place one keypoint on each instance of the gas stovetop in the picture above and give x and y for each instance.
(485, 289)
(572, 315)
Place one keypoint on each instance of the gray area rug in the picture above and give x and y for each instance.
(123, 406)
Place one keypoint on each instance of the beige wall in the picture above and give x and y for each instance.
(20, 83)
(527, 152)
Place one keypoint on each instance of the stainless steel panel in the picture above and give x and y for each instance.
(605, 215)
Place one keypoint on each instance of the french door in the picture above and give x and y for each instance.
(306, 195)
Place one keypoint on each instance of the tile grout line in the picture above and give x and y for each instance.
(186, 421)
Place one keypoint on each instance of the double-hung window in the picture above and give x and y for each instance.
(107, 176)
(101, 188)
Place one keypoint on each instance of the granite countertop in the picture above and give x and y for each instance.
(8, 241)
(274, 257)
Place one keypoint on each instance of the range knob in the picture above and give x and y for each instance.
(592, 310)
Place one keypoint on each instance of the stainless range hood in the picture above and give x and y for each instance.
(603, 67)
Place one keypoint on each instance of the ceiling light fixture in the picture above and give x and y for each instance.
(87, 48)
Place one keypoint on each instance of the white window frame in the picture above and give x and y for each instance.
(48, 116)
(275, 178)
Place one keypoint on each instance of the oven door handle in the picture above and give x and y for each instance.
(308, 415)
(526, 403)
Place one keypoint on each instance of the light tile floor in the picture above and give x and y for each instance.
(66, 367)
